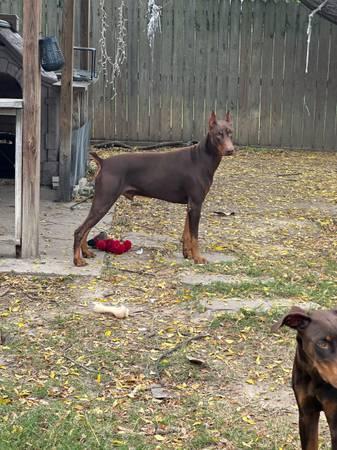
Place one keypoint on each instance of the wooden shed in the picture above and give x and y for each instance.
(11, 55)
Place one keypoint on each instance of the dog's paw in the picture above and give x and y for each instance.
(80, 262)
(88, 254)
(200, 260)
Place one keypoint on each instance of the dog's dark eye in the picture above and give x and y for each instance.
(323, 344)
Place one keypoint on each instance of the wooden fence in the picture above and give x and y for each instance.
(247, 57)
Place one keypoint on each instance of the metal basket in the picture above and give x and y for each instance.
(50, 54)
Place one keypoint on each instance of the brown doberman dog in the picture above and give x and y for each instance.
(178, 176)
(314, 376)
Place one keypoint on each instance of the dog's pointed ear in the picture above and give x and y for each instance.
(212, 120)
(228, 118)
(296, 318)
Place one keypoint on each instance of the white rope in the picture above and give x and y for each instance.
(154, 22)
(309, 30)
(111, 69)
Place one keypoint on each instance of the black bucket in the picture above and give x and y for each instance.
(50, 54)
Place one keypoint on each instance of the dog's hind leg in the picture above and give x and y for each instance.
(86, 253)
(102, 202)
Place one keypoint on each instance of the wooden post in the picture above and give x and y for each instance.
(66, 101)
(31, 131)
(85, 32)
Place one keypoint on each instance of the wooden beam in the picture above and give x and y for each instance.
(31, 130)
(10, 103)
(18, 183)
(85, 32)
(66, 101)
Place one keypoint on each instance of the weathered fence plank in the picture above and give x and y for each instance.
(330, 141)
(223, 67)
(200, 69)
(245, 57)
(132, 62)
(319, 121)
(255, 72)
(166, 71)
(177, 70)
(298, 97)
(309, 100)
(266, 80)
(233, 77)
(155, 125)
(277, 92)
(188, 62)
(289, 73)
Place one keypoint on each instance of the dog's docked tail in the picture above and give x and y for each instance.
(98, 160)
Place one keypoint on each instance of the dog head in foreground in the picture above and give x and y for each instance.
(316, 340)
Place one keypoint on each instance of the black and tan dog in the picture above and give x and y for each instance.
(179, 176)
(314, 376)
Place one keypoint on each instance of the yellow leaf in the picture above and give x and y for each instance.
(52, 374)
(158, 437)
(4, 401)
(20, 324)
(250, 381)
(247, 419)
(98, 378)
(107, 332)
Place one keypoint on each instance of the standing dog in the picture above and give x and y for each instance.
(314, 376)
(179, 176)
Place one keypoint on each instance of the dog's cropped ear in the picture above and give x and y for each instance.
(212, 120)
(228, 118)
(296, 318)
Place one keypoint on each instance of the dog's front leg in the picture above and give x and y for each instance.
(330, 410)
(308, 424)
(187, 243)
(194, 211)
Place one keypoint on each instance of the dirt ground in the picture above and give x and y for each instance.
(195, 365)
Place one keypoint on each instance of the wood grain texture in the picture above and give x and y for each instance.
(31, 131)
(66, 100)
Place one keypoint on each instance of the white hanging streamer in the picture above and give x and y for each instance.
(309, 30)
(111, 69)
(154, 21)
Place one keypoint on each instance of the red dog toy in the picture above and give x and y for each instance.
(110, 245)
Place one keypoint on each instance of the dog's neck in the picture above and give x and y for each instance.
(210, 153)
